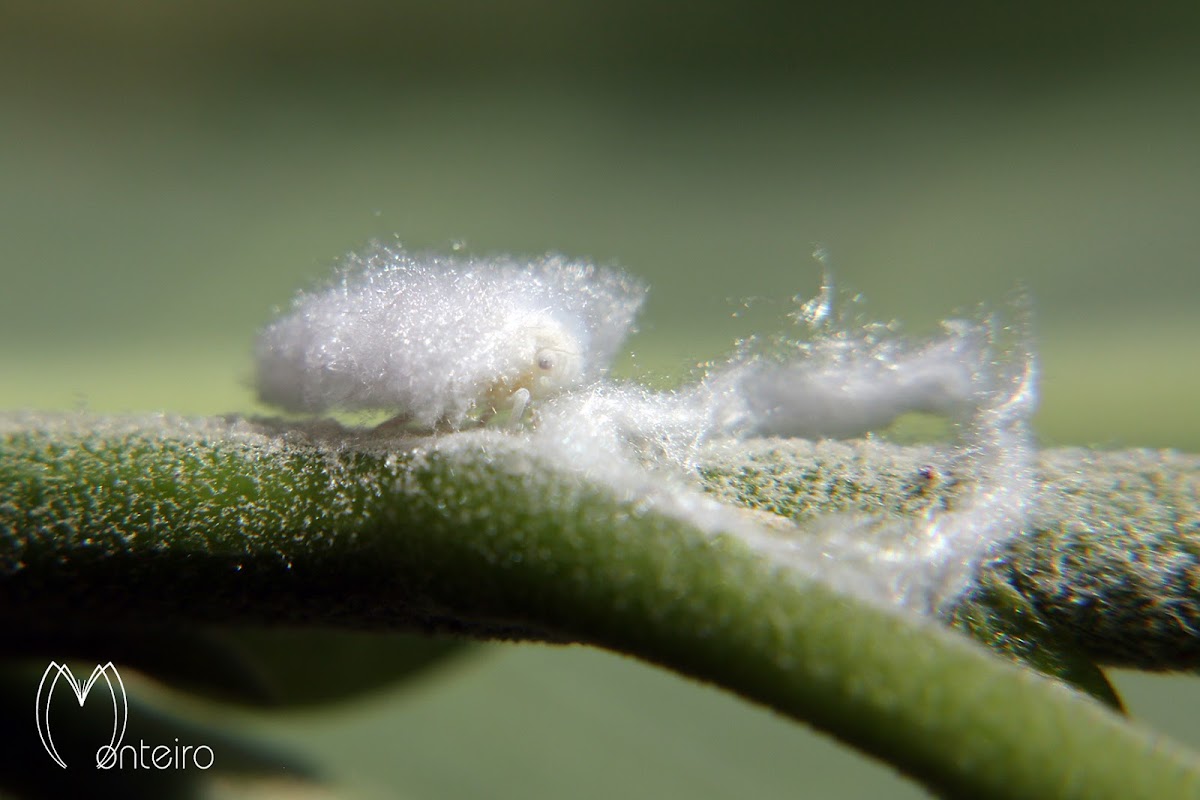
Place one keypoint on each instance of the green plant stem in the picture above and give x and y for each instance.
(1111, 561)
(144, 524)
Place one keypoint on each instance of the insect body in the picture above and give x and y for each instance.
(443, 340)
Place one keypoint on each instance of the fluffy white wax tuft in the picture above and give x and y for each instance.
(925, 563)
(438, 338)
(838, 387)
(834, 386)
(843, 383)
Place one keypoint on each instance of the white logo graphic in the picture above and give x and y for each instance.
(120, 706)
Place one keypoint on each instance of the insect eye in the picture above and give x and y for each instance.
(545, 360)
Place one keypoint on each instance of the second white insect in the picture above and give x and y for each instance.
(442, 340)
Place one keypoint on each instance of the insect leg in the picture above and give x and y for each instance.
(520, 401)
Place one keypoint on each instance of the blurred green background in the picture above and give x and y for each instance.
(171, 173)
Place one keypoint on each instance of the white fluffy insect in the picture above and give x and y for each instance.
(440, 340)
